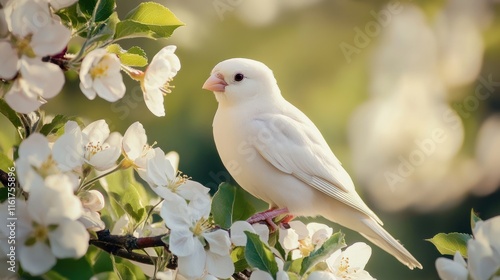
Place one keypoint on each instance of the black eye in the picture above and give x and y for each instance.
(238, 77)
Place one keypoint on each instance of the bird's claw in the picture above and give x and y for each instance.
(268, 216)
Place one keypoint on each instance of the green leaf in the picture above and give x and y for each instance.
(474, 218)
(134, 57)
(334, 243)
(126, 195)
(10, 114)
(72, 17)
(127, 270)
(103, 8)
(52, 275)
(106, 276)
(4, 194)
(57, 123)
(449, 243)
(150, 20)
(294, 266)
(67, 268)
(238, 257)
(258, 254)
(103, 262)
(6, 163)
(229, 204)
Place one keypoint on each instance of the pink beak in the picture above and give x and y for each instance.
(215, 83)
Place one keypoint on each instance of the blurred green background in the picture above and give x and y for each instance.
(300, 41)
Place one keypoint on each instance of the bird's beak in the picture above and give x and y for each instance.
(215, 83)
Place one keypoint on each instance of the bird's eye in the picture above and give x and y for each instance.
(239, 77)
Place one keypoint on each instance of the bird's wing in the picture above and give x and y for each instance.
(295, 146)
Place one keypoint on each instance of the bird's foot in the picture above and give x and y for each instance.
(268, 216)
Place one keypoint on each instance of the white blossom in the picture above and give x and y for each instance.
(238, 236)
(350, 263)
(36, 162)
(300, 240)
(484, 249)
(165, 180)
(190, 233)
(162, 69)
(92, 202)
(47, 228)
(37, 81)
(483, 255)
(135, 148)
(100, 75)
(36, 33)
(94, 145)
(455, 269)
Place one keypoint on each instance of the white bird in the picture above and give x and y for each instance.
(276, 153)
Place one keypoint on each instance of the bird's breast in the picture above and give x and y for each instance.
(251, 171)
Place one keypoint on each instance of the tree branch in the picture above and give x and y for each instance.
(122, 246)
(4, 178)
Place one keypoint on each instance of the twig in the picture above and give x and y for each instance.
(122, 246)
(4, 178)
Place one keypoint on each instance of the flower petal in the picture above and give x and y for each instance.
(153, 98)
(450, 270)
(218, 241)
(134, 140)
(193, 266)
(238, 236)
(8, 60)
(221, 266)
(36, 259)
(182, 243)
(69, 240)
(358, 253)
(260, 275)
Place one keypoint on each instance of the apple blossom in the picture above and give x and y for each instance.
(238, 229)
(100, 75)
(47, 228)
(190, 233)
(300, 240)
(94, 145)
(155, 82)
(166, 181)
(31, 88)
(92, 202)
(35, 33)
(483, 255)
(347, 264)
(484, 250)
(455, 269)
(36, 161)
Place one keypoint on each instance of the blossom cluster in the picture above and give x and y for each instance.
(33, 50)
(62, 195)
(483, 255)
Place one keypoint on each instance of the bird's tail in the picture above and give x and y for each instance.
(372, 231)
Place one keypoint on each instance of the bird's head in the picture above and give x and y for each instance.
(239, 79)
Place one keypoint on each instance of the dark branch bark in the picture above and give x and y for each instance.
(4, 178)
(123, 245)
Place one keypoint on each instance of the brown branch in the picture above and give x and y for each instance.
(4, 178)
(122, 246)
